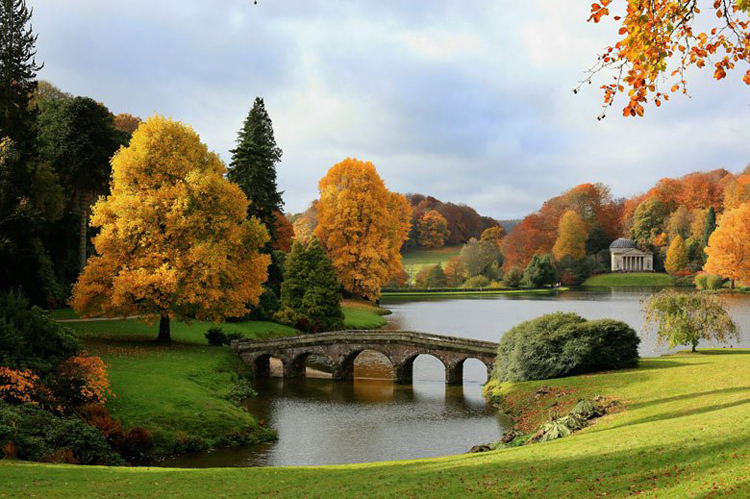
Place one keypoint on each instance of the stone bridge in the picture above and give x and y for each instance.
(340, 348)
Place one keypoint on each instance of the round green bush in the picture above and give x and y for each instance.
(564, 344)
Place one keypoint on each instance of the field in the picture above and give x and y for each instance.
(682, 430)
(413, 261)
(630, 279)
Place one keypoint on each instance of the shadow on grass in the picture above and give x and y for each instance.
(666, 416)
(689, 396)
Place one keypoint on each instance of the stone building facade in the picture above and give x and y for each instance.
(626, 257)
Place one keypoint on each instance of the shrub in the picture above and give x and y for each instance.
(240, 390)
(37, 435)
(217, 337)
(540, 272)
(714, 282)
(513, 277)
(30, 338)
(564, 344)
(18, 386)
(133, 446)
(700, 280)
(478, 281)
(82, 380)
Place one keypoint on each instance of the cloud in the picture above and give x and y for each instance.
(469, 103)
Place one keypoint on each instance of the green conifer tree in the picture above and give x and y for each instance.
(18, 69)
(253, 166)
(311, 293)
(710, 225)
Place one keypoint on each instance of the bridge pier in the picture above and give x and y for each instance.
(454, 374)
(295, 368)
(404, 373)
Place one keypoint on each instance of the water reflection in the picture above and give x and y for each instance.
(325, 422)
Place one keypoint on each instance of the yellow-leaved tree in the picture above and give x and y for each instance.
(571, 237)
(677, 255)
(728, 247)
(174, 241)
(362, 226)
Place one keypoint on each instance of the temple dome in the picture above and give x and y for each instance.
(622, 243)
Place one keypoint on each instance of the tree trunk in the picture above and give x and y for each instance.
(83, 240)
(695, 344)
(164, 336)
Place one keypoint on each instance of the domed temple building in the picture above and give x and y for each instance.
(626, 257)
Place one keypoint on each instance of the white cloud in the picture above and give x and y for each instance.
(469, 103)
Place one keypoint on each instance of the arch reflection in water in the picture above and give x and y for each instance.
(335, 422)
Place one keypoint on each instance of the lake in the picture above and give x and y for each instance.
(370, 419)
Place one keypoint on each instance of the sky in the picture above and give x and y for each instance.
(470, 102)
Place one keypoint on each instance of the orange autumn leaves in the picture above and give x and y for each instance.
(659, 39)
(728, 248)
(362, 226)
(174, 239)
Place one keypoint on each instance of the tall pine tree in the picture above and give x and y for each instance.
(253, 166)
(18, 69)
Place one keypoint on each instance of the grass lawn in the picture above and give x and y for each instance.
(178, 392)
(683, 430)
(414, 260)
(363, 315)
(630, 279)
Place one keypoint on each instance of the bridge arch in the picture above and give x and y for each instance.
(345, 368)
(341, 348)
(405, 369)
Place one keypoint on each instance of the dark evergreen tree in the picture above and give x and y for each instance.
(78, 137)
(597, 240)
(311, 293)
(710, 225)
(18, 69)
(540, 272)
(253, 166)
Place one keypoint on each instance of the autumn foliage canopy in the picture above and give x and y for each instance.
(362, 226)
(173, 237)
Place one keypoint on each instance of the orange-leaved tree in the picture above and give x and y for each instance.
(660, 40)
(432, 230)
(728, 247)
(174, 241)
(362, 226)
(571, 237)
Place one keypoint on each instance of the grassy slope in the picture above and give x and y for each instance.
(684, 431)
(414, 260)
(363, 315)
(177, 391)
(630, 279)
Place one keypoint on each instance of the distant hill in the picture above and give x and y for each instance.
(463, 221)
(509, 224)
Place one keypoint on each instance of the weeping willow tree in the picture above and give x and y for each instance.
(687, 318)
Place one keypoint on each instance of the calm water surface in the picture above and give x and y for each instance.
(324, 422)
